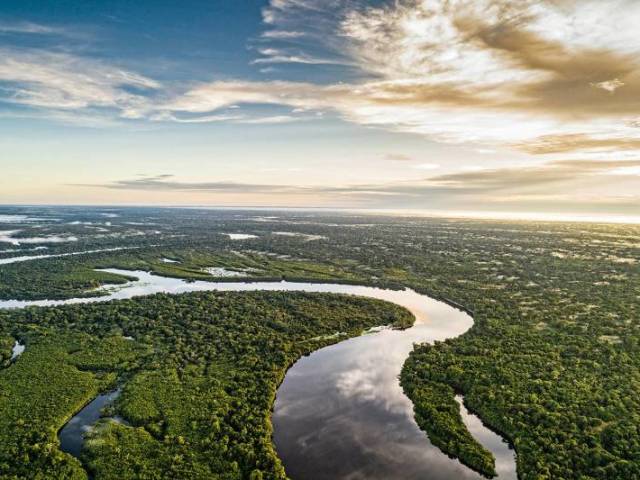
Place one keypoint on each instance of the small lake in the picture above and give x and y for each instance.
(17, 350)
(240, 236)
(340, 412)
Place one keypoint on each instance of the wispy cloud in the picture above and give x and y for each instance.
(282, 34)
(215, 118)
(228, 118)
(284, 12)
(522, 178)
(31, 28)
(274, 119)
(61, 81)
(555, 185)
(596, 143)
(212, 96)
(166, 183)
(273, 55)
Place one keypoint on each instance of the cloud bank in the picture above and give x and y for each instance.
(540, 77)
(565, 186)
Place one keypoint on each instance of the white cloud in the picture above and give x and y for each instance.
(165, 116)
(212, 96)
(282, 34)
(280, 11)
(492, 72)
(68, 82)
(272, 55)
(30, 28)
(275, 119)
(610, 85)
(374, 104)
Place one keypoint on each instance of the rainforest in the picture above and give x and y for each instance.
(550, 362)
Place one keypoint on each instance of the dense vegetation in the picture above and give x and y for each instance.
(6, 346)
(438, 414)
(552, 363)
(198, 380)
(55, 377)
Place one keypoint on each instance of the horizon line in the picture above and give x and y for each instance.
(391, 212)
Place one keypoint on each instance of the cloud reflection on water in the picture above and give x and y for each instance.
(341, 413)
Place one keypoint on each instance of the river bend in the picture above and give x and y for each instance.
(340, 412)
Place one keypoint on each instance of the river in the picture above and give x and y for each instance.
(340, 412)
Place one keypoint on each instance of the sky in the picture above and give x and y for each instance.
(515, 107)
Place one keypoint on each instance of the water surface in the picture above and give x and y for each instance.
(28, 258)
(17, 350)
(72, 434)
(341, 413)
(240, 236)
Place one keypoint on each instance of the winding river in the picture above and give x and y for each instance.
(340, 412)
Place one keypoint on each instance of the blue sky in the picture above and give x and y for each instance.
(162, 38)
(483, 105)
